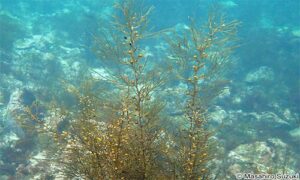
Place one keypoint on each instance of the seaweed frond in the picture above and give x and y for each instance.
(203, 54)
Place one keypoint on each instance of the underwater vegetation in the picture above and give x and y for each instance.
(125, 90)
(115, 130)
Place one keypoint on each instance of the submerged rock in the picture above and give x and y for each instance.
(37, 42)
(262, 156)
(228, 4)
(218, 116)
(9, 140)
(14, 109)
(241, 127)
(270, 120)
(261, 74)
(295, 134)
(99, 73)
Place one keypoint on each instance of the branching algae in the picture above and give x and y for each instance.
(203, 54)
(116, 132)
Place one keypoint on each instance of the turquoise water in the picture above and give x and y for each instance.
(48, 46)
